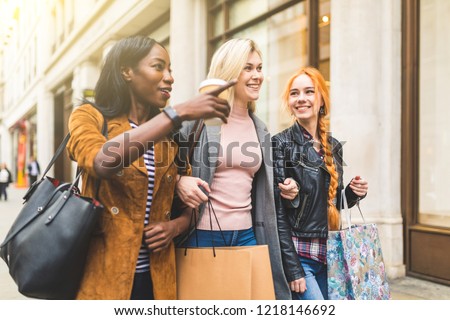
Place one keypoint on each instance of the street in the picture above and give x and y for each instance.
(8, 212)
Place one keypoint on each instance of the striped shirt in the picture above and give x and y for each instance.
(143, 262)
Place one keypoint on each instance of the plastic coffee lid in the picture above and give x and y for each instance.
(212, 82)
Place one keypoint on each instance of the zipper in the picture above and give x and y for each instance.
(300, 214)
(300, 162)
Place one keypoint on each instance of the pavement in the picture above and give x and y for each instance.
(405, 288)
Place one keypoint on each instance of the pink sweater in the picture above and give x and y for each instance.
(239, 159)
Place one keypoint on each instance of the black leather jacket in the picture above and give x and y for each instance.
(295, 157)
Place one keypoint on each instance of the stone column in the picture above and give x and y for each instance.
(188, 39)
(366, 110)
(45, 120)
(85, 76)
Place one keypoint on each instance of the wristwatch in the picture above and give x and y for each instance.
(173, 116)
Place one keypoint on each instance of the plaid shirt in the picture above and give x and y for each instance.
(312, 248)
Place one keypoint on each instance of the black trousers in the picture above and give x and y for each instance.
(142, 287)
(32, 179)
(3, 186)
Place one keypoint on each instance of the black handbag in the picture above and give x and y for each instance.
(46, 247)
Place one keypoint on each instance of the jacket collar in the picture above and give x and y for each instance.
(297, 134)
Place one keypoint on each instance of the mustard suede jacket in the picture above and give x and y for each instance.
(114, 247)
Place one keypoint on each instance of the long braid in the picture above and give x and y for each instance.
(333, 214)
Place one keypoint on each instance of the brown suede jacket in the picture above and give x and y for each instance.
(114, 248)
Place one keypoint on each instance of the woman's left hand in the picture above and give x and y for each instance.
(289, 189)
(159, 235)
(359, 186)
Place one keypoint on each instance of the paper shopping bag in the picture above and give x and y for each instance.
(232, 273)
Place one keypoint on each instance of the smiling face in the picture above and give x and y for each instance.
(304, 102)
(151, 81)
(250, 80)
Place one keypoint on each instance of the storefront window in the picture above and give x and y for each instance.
(434, 131)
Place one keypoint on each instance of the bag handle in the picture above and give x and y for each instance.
(194, 217)
(71, 187)
(211, 208)
(348, 215)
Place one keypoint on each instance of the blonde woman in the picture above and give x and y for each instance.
(307, 153)
(232, 162)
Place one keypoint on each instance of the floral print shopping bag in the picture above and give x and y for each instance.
(356, 269)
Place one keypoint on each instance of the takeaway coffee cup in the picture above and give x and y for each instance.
(211, 84)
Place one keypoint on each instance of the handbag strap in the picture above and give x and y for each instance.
(79, 171)
(194, 136)
(58, 152)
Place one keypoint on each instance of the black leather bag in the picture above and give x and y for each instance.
(46, 247)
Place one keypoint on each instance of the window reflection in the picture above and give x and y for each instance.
(434, 131)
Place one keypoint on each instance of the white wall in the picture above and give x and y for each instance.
(366, 106)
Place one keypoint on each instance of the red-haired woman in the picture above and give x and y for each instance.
(307, 153)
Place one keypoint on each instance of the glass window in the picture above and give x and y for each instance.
(324, 38)
(218, 22)
(245, 10)
(434, 131)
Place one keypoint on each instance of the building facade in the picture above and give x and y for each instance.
(386, 62)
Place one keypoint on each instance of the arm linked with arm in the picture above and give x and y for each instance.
(291, 263)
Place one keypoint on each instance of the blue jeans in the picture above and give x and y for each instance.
(208, 238)
(316, 281)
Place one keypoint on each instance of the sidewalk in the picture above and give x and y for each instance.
(406, 288)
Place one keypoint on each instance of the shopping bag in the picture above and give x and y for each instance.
(355, 264)
(224, 273)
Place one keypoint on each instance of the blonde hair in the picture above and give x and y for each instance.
(323, 125)
(228, 62)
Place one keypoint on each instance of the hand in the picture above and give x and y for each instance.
(298, 285)
(289, 189)
(206, 105)
(189, 192)
(359, 186)
(159, 235)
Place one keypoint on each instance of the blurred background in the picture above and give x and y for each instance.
(387, 63)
